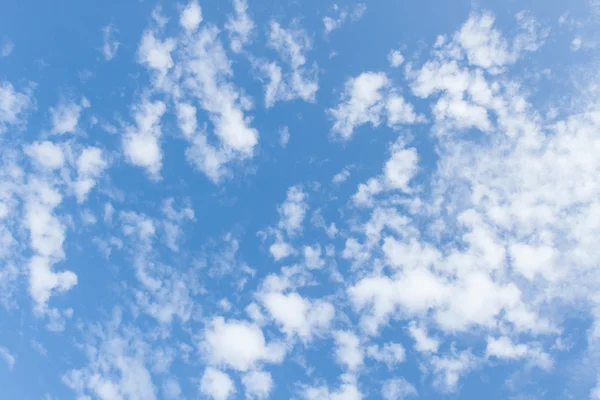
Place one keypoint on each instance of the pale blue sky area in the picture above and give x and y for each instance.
(299, 200)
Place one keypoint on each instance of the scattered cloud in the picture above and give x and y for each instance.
(111, 44)
(343, 14)
(239, 26)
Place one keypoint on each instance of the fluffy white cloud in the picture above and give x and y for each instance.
(312, 257)
(395, 58)
(485, 47)
(238, 344)
(346, 391)
(348, 352)
(397, 389)
(239, 26)
(257, 384)
(295, 314)
(400, 168)
(341, 176)
(531, 261)
(362, 102)
(400, 112)
(191, 16)
(117, 365)
(293, 210)
(207, 72)
(503, 348)
(186, 119)
(171, 389)
(173, 221)
(216, 384)
(398, 172)
(46, 154)
(368, 98)
(46, 237)
(156, 54)
(300, 82)
(497, 239)
(141, 143)
(280, 250)
(448, 369)
(220, 99)
(13, 105)
(390, 354)
(423, 342)
(90, 165)
(65, 117)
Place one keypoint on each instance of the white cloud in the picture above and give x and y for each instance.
(485, 47)
(532, 261)
(238, 344)
(342, 15)
(65, 117)
(395, 58)
(401, 112)
(423, 343)
(576, 44)
(8, 357)
(390, 354)
(220, 99)
(503, 348)
(296, 315)
(362, 102)
(368, 98)
(293, 211)
(398, 172)
(110, 45)
(239, 26)
(280, 250)
(13, 105)
(348, 351)
(364, 195)
(258, 384)
(448, 370)
(164, 292)
(397, 389)
(346, 391)
(141, 142)
(47, 235)
(216, 384)
(284, 136)
(300, 82)
(341, 176)
(46, 155)
(400, 168)
(156, 54)
(90, 165)
(207, 77)
(173, 221)
(191, 16)
(171, 389)
(186, 119)
(116, 366)
(312, 257)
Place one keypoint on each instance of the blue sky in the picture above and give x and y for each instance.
(299, 200)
